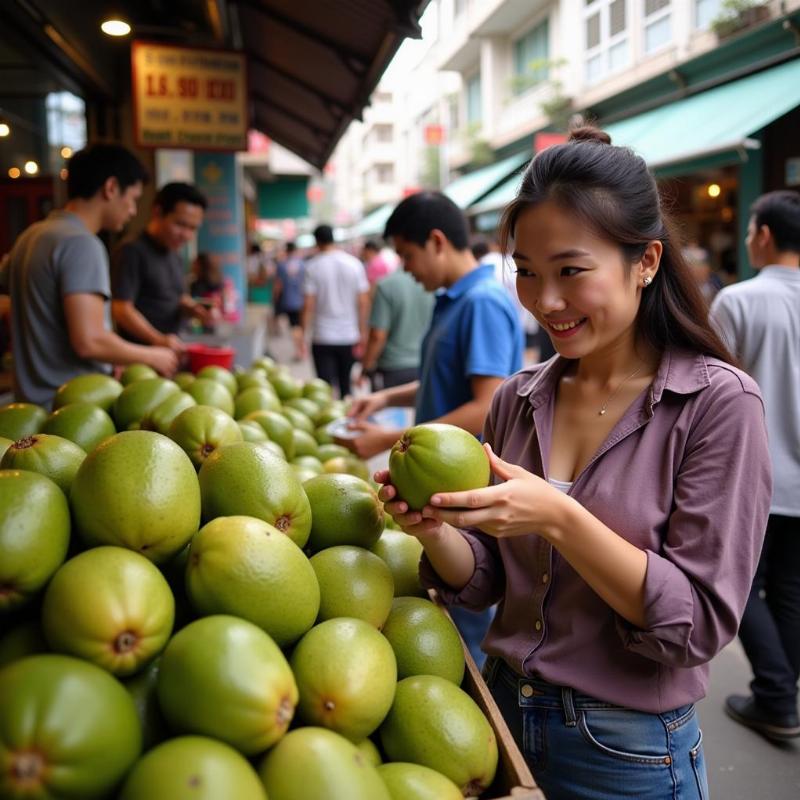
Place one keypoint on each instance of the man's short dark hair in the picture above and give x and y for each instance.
(90, 168)
(780, 212)
(323, 234)
(419, 214)
(480, 248)
(371, 244)
(170, 194)
(290, 247)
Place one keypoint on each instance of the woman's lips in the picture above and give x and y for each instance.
(566, 328)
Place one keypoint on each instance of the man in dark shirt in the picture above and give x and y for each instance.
(147, 277)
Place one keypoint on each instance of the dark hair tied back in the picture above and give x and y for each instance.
(588, 133)
(611, 191)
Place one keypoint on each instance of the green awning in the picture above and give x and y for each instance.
(498, 198)
(374, 223)
(469, 188)
(718, 121)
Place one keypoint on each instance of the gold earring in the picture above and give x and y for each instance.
(647, 280)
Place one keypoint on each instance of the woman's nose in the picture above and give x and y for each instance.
(550, 299)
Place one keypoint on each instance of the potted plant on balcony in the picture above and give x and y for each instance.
(734, 15)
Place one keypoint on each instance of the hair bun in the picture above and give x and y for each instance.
(588, 133)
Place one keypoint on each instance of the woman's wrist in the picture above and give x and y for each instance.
(564, 517)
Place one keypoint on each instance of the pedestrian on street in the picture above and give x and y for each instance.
(288, 296)
(760, 320)
(57, 277)
(474, 341)
(631, 489)
(335, 310)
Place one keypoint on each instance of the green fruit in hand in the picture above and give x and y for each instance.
(353, 583)
(435, 458)
(424, 640)
(211, 393)
(95, 389)
(18, 420)
(224, 677)
(344, 510)
(110, 606)
(201, 430)
(139, 399)
(402, 553)
(34, 534)
(346, 675)
(318, 764)
(256, 398)
(247, 479)
(434, 723)
(67, 729)
(192, 768)
(220, 375)
(83, 423)
(52, 456)
(415, 782)
(162, 416)
(244, 567)
(138, 490)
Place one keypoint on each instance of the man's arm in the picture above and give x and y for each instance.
(471, 415)
(90, 339)
(127, 317)
(309, 306)
(376, 341)
(364, 303)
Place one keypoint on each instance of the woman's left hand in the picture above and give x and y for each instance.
(521, 505)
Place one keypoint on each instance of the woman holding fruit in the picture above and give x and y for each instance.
(631, 491)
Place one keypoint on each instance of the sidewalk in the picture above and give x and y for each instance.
(741, 764)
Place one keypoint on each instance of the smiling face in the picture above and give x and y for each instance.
(576, 284)
(178, 226)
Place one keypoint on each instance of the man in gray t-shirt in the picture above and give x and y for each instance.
(57, 278)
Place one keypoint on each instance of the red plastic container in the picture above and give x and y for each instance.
(201, 355)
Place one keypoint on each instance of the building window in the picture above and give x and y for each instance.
(384, 173)
(607, 40)
(66, 120)
(474, 100)
(705, 11)
(531, 54)
(657, 24)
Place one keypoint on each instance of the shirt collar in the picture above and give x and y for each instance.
(680, 372)
(480, 273)
(789, 274)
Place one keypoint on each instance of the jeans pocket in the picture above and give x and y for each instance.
(699, 767)
(626, 735)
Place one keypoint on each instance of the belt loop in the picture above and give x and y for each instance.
(568, 702)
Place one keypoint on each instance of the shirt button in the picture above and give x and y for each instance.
(526, 690)
(545, 578)
(538, 625)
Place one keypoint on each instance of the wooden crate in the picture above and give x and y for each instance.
(514, 780)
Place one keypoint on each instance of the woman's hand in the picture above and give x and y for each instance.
(362, 407)
(522, 504)
(424, 528)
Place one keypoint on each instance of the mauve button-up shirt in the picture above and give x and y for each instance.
(685, 476)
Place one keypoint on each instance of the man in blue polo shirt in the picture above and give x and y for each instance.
(474, 342)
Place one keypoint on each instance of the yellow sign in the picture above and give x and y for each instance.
(189, 98)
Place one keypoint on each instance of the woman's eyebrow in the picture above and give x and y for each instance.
(568, 254)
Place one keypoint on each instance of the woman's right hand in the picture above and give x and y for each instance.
(362, 407)
(426, 529)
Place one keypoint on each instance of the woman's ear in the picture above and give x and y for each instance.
(650, 261)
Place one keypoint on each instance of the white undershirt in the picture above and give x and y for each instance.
(563, 486)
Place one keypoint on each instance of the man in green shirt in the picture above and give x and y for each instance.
(401, 313)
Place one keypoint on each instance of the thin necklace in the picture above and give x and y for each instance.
(611, 396)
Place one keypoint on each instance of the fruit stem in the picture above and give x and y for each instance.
(25, 442)
(125, 642)
(283, 523)
(28, 769)
(404, 443)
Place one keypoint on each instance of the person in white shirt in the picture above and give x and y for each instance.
(760, 320)
(335, 310)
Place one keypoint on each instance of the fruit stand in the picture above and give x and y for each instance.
(196, 574)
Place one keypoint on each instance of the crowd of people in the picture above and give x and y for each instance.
(641, 420)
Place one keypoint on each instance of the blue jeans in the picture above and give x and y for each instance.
(472, 625)
(580, 748)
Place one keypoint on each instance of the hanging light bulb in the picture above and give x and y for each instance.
(31, 167)
(115, 27)
(14, 172)
(5, 129)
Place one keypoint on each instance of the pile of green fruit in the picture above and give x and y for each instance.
(200, 598)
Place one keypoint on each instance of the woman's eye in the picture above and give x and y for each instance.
(569, 272)
(522, 272)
